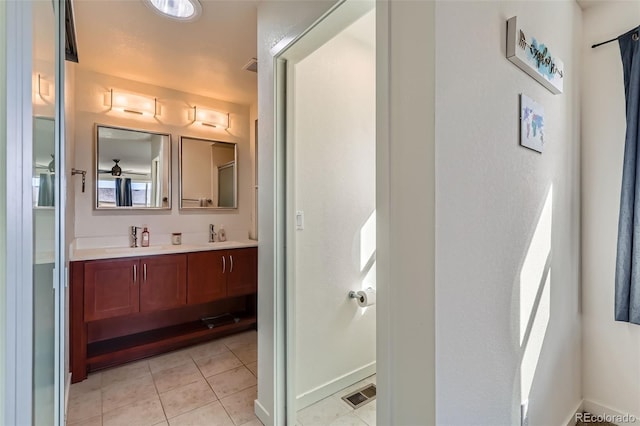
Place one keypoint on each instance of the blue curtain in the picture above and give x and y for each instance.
(123, 192)
(627, 298)
(46, 194)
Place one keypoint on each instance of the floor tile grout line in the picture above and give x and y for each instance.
(153, 379)
(199, 372)
(226, 411)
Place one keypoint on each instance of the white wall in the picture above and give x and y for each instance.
(276, 20)
(508, 220)
(334, 184)
(406, 78)
(173, 119)
(611, 350)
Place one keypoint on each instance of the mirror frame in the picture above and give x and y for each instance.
(96, 155)
(235, 177)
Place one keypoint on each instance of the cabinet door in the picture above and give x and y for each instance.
(110, 288)
(206, 278)
(163, 282)
(242, 271)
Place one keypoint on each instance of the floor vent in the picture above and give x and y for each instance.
(361, 397)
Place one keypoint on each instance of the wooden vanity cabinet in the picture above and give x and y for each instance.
(110, 288)
(214, 275)
(242, 277)
(163, 282)
(119, 287)
(131, 308)
(206, 279)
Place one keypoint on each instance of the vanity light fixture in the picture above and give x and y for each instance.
(210, 118)
(180, 10)
(133, 104)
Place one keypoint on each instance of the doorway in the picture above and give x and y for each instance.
(329, 146)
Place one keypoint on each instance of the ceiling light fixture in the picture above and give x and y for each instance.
(181, 10)
(128, 102)
(210, 118)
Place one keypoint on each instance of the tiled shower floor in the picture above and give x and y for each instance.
(213, 384)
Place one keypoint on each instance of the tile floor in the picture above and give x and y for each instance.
(333, 411)
(212, 384)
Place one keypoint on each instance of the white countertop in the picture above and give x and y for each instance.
(76, 254)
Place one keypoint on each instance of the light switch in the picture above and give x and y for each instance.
(300, 219)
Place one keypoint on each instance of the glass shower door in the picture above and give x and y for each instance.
(46, 208)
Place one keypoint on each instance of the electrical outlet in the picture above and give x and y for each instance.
(524, 413)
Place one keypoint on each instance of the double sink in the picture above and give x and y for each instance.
(115, 252)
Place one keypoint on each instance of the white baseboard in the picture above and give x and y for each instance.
(262, 413)
(571, 421)
(611, 415)
(335, 385)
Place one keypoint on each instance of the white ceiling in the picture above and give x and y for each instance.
(125, 38)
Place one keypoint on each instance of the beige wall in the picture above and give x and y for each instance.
(611, 349)
(173, 119)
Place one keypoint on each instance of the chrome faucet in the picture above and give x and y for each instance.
(134, 236)
(212, 234)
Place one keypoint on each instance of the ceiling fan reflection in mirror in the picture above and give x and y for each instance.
(51, 167)
(116, 170)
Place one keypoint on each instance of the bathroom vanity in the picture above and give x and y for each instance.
(131, 303)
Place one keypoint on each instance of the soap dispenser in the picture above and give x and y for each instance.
(222, 234)
(145, 237)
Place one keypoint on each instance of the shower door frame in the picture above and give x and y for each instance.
(19, 311)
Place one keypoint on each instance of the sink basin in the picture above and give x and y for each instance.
(223, 243)
(134, 249)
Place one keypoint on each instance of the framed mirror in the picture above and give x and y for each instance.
(208, 174)
(44, 173)
(133, 169)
